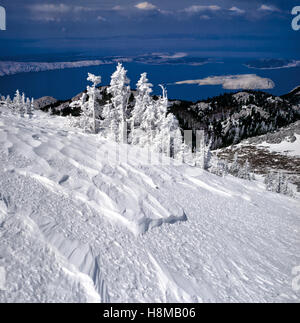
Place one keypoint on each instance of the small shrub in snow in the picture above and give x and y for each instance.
(20, 105)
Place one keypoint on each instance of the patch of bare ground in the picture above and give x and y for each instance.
(263, 161)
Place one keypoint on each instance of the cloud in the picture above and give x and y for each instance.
(174, 56)
(117, 8)
(197, 8)
(235, 82)
(100, 18)
(82, 9)
(237, 10)
(51, 8)
(205, 17)
(267, 8)
(56, 12)
(145, 6)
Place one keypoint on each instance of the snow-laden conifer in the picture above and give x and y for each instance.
(115, 111)
(90, 106)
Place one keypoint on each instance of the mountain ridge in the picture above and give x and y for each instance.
(227, 119)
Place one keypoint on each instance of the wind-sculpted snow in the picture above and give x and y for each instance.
(29, 261)
(131, 231)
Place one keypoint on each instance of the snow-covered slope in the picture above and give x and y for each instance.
(285, 147)
(82, 225)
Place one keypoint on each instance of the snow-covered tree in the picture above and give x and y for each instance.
(178, 146)
(94, 96)
(22, 107)
(167, 133)
(115, 111)
(278, 182)
(235, 166)
(219, 167)
(143, 113)
(199, 154)
(6, 101)
(207, 154)
(90, 107)
(17, 102)
(157, 117)
(30, 108)
(245, 171)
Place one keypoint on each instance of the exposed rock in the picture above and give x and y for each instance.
(44, 101)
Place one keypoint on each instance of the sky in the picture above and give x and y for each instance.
(208, 28)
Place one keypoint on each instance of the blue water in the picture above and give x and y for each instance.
(64, 84)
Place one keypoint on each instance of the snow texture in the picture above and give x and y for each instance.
(291, 148)
(77, 225)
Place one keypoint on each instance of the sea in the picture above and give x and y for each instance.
(66, 83)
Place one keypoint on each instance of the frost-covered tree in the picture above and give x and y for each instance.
(90, 107)
(219, 167)
(93, 105)
(234, 166)
(30, 108)
(166, 134)
(207, 154)
(278, 182)
(110, 123)
(6, 102)
(17, 102)
(9, 102)
(115, 111)
(178, 145)
(245, 171)
(143, 113)
(158, 120)
(199, 154)
(22, 107)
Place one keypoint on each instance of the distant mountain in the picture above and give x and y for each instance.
(8, 67)
(232, 117)
(294, 96)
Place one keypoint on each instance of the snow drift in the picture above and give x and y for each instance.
(91, 220)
